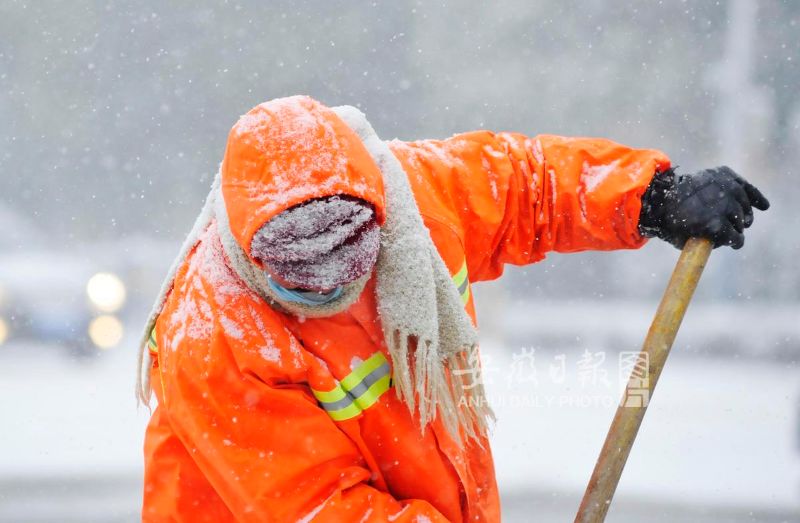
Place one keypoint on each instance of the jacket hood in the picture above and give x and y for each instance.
(287, 151)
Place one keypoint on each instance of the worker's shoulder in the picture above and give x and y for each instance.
(206, 295)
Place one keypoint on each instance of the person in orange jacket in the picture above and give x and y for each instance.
(313, 351)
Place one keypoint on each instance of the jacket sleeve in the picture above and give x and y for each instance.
(513, 199)
(263, 442)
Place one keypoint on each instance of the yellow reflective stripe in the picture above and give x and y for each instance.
(371, 379)
(465, 295)
(330, 396)
(355, 377)
(151, 342)
(461, 275)
(351, 411)
(152, 346)
(462, 283)
(375, 391)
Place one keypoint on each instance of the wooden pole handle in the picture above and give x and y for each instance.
(642, 382)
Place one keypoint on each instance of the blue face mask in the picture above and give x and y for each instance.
(303, 297)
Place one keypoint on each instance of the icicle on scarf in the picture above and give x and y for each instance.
(430, 337)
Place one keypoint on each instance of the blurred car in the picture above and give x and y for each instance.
(50, 295)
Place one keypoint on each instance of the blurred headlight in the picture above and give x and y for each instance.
(3, 330)
(105, 331)
(106, 291)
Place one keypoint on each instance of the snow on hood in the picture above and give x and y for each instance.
(287, 151)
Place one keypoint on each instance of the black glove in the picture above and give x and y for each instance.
(715, 203)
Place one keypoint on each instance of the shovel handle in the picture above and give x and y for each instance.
(644, 376)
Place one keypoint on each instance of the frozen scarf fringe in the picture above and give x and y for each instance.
(424, 322)
(425, 326)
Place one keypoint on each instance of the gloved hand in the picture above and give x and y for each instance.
(715, 203)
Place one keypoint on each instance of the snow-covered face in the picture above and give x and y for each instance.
(287, 153)
(319, 245)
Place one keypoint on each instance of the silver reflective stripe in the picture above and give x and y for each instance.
(463, 286)
(349, 397)
(337, 405)
(369, 379)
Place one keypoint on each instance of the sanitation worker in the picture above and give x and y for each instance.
(313, 351)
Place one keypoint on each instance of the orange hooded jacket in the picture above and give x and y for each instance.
(263, 416)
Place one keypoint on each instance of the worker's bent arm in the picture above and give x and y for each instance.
(512, 199)
(268, 450)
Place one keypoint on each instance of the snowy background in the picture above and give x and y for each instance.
(114, 117)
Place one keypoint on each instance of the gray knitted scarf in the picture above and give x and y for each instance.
(430, 337)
